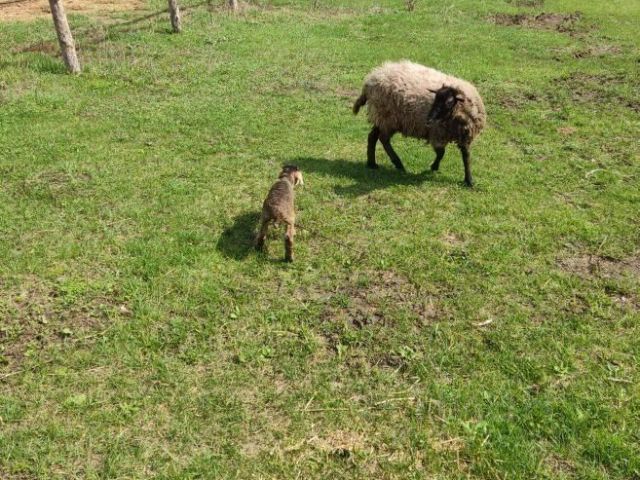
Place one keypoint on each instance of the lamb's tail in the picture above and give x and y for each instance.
(362, 99)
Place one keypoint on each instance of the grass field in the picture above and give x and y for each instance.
(426, 330)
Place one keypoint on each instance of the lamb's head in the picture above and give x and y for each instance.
(292, 173)
(446, 101)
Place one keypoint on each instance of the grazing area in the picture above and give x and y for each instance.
(425, 329)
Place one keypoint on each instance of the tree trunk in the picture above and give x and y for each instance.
(233, 5)
(174, 12)
(67, 46)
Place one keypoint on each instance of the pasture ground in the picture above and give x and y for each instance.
(426, 330)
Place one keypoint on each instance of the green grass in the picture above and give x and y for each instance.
(425, 330)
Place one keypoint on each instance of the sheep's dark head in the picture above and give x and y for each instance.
(293, 173)
(446, 101)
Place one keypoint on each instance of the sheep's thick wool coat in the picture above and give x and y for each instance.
(399, 98)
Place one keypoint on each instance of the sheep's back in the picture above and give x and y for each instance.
(279, 202)
(399, 97)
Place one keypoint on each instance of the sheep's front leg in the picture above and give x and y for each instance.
(439, 154)
(386, 143)
(288, 242)
(466, 159)
(374, 134)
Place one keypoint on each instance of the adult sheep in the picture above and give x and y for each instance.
(420, 102)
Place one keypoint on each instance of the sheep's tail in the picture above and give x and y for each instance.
(362, 99)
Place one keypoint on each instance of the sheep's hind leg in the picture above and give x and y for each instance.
(264, 228)
(386, 143)
(439, 154)
(288, 243)
(371, 147)
(466, 159)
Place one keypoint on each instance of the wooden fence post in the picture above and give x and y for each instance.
(67, 46)
(174, 12)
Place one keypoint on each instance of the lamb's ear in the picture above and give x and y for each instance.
(432, 90)
(460, 97)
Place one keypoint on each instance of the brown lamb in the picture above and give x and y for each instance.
(278, 208)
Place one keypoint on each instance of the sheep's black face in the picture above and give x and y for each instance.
(445, 102)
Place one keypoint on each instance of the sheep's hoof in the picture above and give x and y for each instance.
(468, 183)
(372, 166)
(434, 167)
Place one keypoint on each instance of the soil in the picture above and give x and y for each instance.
(589, 266)
(36, 314)
(587, 88)
(549, 21)
(367, 300)
(597, 51)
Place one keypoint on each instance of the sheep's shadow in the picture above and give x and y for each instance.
(236, 241)
(366, 179)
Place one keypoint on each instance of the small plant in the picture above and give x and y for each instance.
(411, 5)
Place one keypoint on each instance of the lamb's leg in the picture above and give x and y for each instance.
(288, 242)
(439, 154)
(385, 139)
(264, 228)
(466, 159)
(374, 134)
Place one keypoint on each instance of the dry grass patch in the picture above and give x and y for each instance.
(26, 10)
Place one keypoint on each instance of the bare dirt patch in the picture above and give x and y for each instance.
(595, 266)
(453, 240)
(48, 48)
(547, 21)
(597, 51)
(515, 100)
(598, 88)
(624, 300)
(15, 476)
(566, 131)
(55, 183)
(32, 9)
(369, 295)
(560, 467)
(36, 313)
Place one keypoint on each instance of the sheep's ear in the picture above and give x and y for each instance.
(460, 97)
(432, 90)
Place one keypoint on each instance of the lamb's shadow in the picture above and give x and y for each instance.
(366, 179)
(236, 241)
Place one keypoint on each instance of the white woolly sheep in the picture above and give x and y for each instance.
(420, 102)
